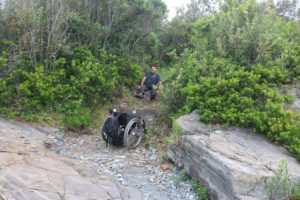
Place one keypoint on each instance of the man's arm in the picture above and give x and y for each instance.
(159, 82)
(158, 85)
(143, 80)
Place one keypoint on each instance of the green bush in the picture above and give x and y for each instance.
(173, 99)
(296, 191)
(69, 85)
(129, 74)
(200, 190)
(238, 59)
(77, 119)
(245, 97)
(280, 186)
(181, 177)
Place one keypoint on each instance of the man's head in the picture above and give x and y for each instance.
(153, 69)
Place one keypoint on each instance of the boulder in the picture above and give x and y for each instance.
(29, 171)
(232, 162)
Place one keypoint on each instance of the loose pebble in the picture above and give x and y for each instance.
(138, 168)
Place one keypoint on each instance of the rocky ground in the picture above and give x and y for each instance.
(138, 168)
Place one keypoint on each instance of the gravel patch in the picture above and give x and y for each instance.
(138, 168)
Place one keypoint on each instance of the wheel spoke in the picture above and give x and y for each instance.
(133, 133)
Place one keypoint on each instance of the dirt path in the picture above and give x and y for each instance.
(139, 168)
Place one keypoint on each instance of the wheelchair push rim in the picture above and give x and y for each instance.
(134, 132)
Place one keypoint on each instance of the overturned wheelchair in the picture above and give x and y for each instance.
(123, 129)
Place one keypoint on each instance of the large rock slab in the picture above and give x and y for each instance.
(28, 171)
(232, 162)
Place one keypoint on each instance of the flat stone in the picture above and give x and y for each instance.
(42, 174)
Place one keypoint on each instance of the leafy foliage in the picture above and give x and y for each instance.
(231, 73)
(50, 58)
(280, 186)
(200, 190)
(72, 84)
(296, 190)
(181, 177)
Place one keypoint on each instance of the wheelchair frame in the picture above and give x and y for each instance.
(130, 130)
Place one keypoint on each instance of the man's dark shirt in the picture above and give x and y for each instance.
(151, 79)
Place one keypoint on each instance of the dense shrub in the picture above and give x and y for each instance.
(129, 74)
(231, 74)
(229, 94)
(70, 84)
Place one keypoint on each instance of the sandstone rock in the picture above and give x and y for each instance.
(232, 162)
(42, 175)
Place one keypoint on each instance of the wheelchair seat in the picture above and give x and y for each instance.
(124, 118)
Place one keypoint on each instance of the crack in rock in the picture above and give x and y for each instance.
(13, 152)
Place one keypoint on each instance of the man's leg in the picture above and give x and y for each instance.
(141, 91)
(152, 93)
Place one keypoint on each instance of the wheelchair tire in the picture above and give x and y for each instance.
(134, 132)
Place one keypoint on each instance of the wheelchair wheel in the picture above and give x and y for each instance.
(133, 133)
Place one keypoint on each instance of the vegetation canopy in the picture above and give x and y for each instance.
(235, 68)
(233, 61)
